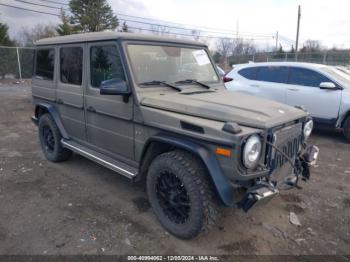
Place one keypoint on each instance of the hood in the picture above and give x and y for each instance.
(225, 106)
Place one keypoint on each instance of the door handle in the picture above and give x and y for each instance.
(59, 101)
(293, 89)
(91, 109)
(254, 85)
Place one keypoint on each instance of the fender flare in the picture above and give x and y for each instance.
(54, 114)
(221, 183)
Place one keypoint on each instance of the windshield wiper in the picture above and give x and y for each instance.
(159, 83)
(192, 81)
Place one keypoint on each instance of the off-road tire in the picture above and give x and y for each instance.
(346, 129)
(203, 205)
(54, 152)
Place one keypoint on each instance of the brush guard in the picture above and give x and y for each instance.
(264, 191)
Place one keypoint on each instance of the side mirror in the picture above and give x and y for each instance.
(113, 86)
(328, 85)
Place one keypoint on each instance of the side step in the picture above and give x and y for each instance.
(117, 166)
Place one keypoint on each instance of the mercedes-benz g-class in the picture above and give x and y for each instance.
(154, 109)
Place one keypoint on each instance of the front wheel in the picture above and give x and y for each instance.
(346, 129)
(181, 195)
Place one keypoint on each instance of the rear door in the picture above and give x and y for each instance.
(108, 117)
(263, 81)
(303, 89)
(271, 82)
(70, 90)
(44, 76)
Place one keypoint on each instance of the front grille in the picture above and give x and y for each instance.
(288, 140)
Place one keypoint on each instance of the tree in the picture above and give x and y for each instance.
(280, 50)
(160, 29)
(311, 46)
(8, 56)
(31, 35)
(217, 57)
(93, 15)
(224, 46)
(196, 34)
(4, 35)
(65, 28)
(125, 28)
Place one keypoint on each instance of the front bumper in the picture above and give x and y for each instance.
(264, 191)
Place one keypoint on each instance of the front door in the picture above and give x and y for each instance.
(108, 117)
(303, 90)
(70, 83)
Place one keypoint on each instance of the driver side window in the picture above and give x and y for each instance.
(105, 64)
(305, 77)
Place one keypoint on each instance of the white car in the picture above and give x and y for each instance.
(322, 90)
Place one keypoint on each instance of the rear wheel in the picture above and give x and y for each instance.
(181, 195)
(50, 140)
(346, 129)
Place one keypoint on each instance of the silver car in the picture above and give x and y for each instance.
(322, 90)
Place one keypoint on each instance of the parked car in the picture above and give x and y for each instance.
(323, 90)
(155, 110)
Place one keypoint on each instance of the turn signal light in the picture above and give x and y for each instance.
(223, 151)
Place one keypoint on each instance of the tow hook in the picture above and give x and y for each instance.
(256, 195)
(308, 159)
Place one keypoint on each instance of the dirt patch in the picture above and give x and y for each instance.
(346, 202)
(240, 247)
(291, 198)
(141, 203)
(294, 208)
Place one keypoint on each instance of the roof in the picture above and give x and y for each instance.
(299, 64)
(98, 36)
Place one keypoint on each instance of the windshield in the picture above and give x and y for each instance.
(170, 64)
(344, 70)
(339, 75)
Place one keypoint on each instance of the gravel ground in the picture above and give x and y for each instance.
(79, 207)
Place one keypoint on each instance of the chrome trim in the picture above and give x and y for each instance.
(98, 160)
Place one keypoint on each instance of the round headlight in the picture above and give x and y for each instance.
(252, 152)
(309, 125)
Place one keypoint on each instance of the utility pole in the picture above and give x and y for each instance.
(297, 39)
(276, 40)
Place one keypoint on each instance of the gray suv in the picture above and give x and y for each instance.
(155, 110)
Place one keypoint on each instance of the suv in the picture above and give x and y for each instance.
(304, 84)
(154, 109)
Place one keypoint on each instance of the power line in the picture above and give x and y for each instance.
(36, 4)
(54, 2)
(138, 28)
(31, 10)
(206, 36)
(222, 31)
(182, 28)
(195, 26)
(147, 23)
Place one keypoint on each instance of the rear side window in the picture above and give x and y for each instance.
(249, 73)
(275, 74)
(45, 63)
(105, 64)
(305, 77)
(71, 65)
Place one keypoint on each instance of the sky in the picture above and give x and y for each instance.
(256, 20)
